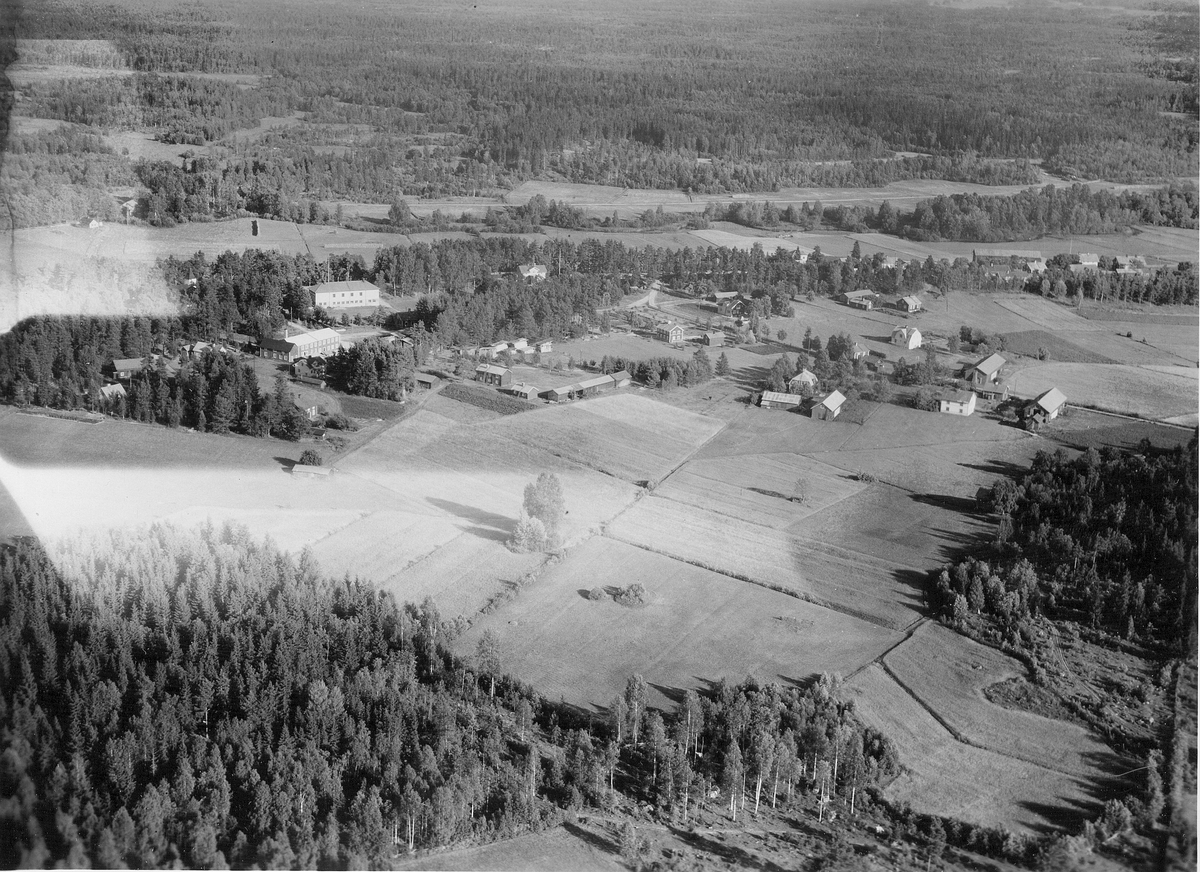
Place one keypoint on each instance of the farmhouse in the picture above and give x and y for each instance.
(906, 337)
(776, 400)
(544, 346)
(314, 343)
(669, 332)
(127, 367)
(1089, 261)
(828, 408)
(533, 272)
(858, 352)
(803, 381)
(957, 403)
(342, 295)
(909, 304)
(858, 299)
(488, 374)
(714, 339)
(127, 210)
(112, 392)
(1043, 409)
(735, 307)
(428, 381)
(987, 371)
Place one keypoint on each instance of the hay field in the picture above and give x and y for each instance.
(381, 544)
(944, 776)
(1149, 393)
(758, 486)
(723, 238)
(1163, 344)
(697, 627)
(867, 587)
(1047, 315)
(1030, 342)
(549, 851)
(948, 673)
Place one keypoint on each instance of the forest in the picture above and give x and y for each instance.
(1107, 539)
(200, 698)
(422, 102)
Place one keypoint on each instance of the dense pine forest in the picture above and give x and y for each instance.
(426, 102)
(1108, 538)
(202, 699)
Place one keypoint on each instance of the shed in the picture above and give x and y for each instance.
(427, 380)
(594, 385)
(522, 390)
(556, 395)
(621, 378)
(828, 408)
(997, 392)
(957, 403)
(1043, 408)
(498, 376)
(714, 339)
(776, 400)
(909, 304)
(859, 299)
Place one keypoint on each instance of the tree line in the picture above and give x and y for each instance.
(196, 697)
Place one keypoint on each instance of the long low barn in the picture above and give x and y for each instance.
(587, 387)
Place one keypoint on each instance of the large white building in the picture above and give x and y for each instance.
(314, 343)
(343, 295)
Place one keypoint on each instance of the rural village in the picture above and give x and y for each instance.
(445, 446)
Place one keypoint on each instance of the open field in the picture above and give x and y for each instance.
(1046, 314)
(946, 777)
(1149, 393)
(948, 673)
(870, 588)
(1030, 342)
(552, 851)
(697, 627)
(759, 487)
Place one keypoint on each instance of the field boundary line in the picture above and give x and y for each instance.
(959, 737)
(909, 632)
(795, 594)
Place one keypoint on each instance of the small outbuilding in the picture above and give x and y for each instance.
(858, 299)
(828, 408)
(909, 304)
(621, 378)
(426, 380)
(776, 400)
(714, 339)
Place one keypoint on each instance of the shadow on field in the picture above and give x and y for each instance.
(590, 838)
(750, 377)
(286, 462)
(1070, 814)
(739, 858)
(966, 505)
(488, 524)
(998, 467)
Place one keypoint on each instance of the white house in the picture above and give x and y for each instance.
(957, 403)
(803, 380)
(906, 337)
(344, 295)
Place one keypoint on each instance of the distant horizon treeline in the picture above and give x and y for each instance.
(199, 698)
(471, 103)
